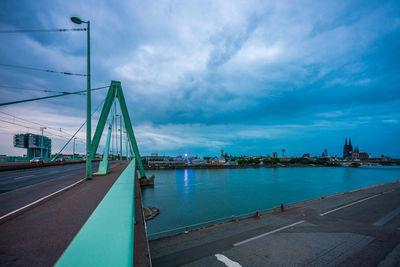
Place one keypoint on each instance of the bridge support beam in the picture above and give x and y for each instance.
(115, 90)
(104, 166)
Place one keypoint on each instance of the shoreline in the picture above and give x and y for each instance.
(246, 166)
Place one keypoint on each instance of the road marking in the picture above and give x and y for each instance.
(43, 198)
(265, 234)
(22, 177)
(228, 262)
(348, 205)
(389, 191)
(388, 217)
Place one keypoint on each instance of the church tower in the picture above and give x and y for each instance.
(345, 149)
(350, 146)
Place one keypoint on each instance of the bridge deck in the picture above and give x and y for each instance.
(38, 236)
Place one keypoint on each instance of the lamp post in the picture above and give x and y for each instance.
(73, 153)
(120, 139)
(88, 103)
(126, 146)
(41, 142)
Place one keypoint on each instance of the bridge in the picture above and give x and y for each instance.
(52, 214)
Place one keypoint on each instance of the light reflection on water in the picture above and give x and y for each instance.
(186, 178)
(189, 196)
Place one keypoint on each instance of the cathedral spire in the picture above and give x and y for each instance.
(350, 146)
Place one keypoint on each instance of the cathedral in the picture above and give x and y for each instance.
(349, 153)
(347, 149)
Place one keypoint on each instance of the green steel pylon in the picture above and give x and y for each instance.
(104, 166)
(115, 90)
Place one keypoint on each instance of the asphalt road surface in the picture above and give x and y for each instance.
(13, 180)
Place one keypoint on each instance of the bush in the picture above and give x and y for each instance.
(301, 160)
(271, 161)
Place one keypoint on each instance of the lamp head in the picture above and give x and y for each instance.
(76, 20)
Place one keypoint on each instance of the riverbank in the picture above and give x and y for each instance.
(278, 165)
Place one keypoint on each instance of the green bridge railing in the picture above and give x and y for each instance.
(106, 239)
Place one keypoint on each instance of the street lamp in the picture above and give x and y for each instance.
(73, 153)
(41, 142)
(88, 103)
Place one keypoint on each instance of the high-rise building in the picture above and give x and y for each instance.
(33, 144)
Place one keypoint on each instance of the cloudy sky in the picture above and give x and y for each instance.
(249, 77)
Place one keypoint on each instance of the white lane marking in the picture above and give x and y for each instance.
(388, 192)
(228, 262)
(348, 205)
(265, 234)
(43, 198)
(388, 217)
(22, 177)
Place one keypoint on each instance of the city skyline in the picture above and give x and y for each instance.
(246, 77)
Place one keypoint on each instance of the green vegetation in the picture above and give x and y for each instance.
(249, 161)
(301, 160)
(309, 161)
(321, 160)
(271, 161)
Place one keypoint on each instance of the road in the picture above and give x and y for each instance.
(18, 179)
(20, 188)
(360, 228)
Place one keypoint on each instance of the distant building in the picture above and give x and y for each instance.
(152, 158)
(349, 153)
(231, 163)
(33, 144)
(199, 162)
(275, 155)
(357, 154)
(154, 154)
(306, 155)
(217, 161)
(347, 149)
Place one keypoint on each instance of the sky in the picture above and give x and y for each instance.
(248, 77)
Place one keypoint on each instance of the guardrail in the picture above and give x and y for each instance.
(107, 238)
(185, 229)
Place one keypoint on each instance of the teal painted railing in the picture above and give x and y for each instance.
(106, 239)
